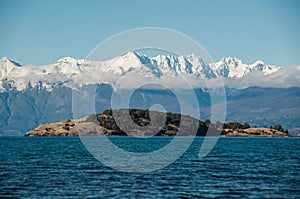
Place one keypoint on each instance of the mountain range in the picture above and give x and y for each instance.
(72, 72)
(257, 93)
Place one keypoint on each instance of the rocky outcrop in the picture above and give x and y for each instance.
(88, 126)
(136, 122)
(264, 132)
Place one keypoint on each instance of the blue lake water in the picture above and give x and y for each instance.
(57, 167)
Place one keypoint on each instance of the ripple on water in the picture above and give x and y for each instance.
(236, 168)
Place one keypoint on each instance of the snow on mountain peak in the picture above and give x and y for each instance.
(6, 66)
(231, 60)
(6, 61)
(125, 63)
(230, 67)
(132, 54)
(266, 69)
(260, 62)
(134, 62)
(79, 71)
(200, 67)
(234, 68)
(69, 60)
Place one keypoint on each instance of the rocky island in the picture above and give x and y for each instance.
(148, 123)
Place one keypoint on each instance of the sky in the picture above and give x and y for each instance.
(40, 32)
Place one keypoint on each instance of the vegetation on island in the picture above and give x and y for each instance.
(150, 123)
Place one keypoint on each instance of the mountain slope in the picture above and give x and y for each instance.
(25, 110)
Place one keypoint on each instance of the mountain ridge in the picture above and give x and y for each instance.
(73, 72)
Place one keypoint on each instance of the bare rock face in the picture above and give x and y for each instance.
(87, 126)
(64, 128)
(264, 132)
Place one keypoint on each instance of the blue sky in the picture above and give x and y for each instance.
(40, 32)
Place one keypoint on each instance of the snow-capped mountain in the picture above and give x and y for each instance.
(77, 72)
(33, 95)
(234, 68)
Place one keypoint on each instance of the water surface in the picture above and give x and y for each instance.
(237, 167)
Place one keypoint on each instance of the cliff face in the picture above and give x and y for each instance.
(139, 123)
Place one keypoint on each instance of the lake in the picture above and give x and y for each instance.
(57, 167)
